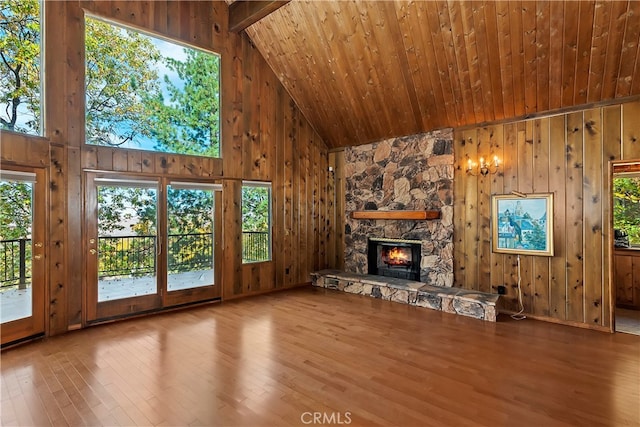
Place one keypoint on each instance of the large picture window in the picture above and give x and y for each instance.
(256, 221)
(143, 92)
(20, 66)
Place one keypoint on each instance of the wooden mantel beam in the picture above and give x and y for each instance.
(243, 13)
(418, 215)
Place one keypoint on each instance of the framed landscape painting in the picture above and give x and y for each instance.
(522, 225)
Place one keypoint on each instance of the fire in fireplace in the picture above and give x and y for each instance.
(394, 258)
(398, 256)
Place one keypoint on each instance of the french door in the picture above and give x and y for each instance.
(22, 253)
(151, 244)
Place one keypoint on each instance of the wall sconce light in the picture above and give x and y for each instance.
(484, 167)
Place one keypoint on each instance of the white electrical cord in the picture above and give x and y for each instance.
(519, 315)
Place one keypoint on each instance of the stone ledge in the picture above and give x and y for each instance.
(474, 304)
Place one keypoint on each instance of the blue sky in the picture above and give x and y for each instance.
(535, 207)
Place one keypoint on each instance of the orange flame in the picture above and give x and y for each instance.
(397, 257)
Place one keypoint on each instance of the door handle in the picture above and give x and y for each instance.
(92, 251)
(37, 257)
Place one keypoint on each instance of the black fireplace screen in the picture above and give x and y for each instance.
(394, 258)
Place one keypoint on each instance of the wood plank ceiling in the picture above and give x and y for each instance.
(363, 71)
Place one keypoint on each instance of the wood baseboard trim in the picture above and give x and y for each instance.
(562, 322)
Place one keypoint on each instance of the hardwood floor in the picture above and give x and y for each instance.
(277, 359)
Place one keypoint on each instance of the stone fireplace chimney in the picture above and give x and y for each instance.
(409, 173)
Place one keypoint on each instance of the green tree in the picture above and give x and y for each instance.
(255, 208)
(626, 207)
(120, 72)
(187, 122)
(15, 210)
(20, 65)
(537, 238)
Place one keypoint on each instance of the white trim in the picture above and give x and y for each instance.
(134, 183)
(263, 184)
(183, 185)
(8, 175)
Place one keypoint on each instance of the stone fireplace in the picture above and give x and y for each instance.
(409, 173)
(394, 258)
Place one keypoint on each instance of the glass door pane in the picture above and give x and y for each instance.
(16, 213)
(127, 240)
(190, 242)
(22, 253)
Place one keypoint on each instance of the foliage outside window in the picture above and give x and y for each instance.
(16, 207)
(626, 207)
(146, 93)
(256, 222)
(20, 65)
(190, 228)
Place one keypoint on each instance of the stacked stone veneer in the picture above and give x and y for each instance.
(450, 300)
(409, 173)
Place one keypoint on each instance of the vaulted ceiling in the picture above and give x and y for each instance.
(362, 71)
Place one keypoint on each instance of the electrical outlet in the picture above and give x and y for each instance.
(502, 290)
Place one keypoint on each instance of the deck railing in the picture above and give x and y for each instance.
(124, 256)
(15, 262)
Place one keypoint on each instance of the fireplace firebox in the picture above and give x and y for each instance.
(394, 258)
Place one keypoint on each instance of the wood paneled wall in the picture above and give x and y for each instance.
(264, 137)
(568, 155)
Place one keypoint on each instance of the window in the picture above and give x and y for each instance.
(146, 93)
(626, 209)
(20, 66)
(256, 221)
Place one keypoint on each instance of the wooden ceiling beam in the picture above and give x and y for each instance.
(244, 13)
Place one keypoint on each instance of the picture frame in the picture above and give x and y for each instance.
(522, 224)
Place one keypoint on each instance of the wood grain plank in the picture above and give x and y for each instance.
(510, 182)
(484, 215)
(556, 50)
(471, 233)
(629, 50)
(505, 56)
(232, 280)
(497, 187)
(525, 185)
(120, 363)
(541, 167)
(592, 217)
(570, 51)
(601, 21)
(614, 48)
(584, 51)
(460, 139)
(543, 20)
(557, 185)
(611, 127)
(517, 56)
(530, 56)
(574, 220)
(631, 130)
(471, 45)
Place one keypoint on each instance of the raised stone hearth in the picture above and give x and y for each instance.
(474, 304)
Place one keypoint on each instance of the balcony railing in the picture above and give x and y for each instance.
(255, 246)
(15, 262)
(126, 256)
